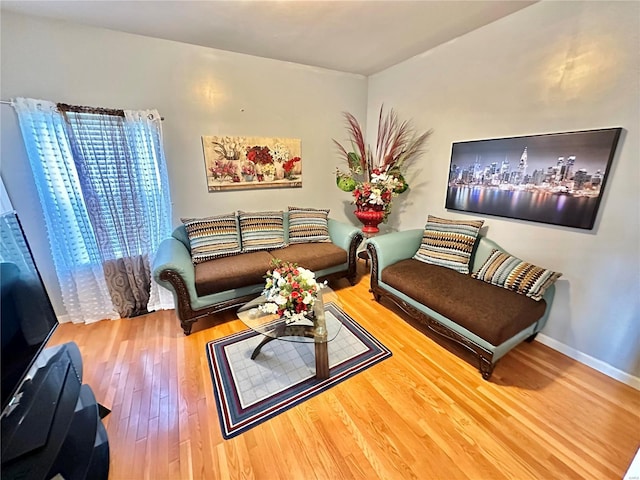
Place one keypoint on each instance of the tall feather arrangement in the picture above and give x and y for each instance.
(397, 144)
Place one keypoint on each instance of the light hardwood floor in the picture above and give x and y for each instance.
(424, 413)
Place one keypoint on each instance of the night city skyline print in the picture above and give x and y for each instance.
(552, 178)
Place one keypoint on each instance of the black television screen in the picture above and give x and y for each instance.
(27, 318)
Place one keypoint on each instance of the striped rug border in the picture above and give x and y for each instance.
(234, 420)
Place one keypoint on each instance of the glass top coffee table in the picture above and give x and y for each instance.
(317, 331)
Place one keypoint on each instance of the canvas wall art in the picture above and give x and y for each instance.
(235, 163)
(556, 178)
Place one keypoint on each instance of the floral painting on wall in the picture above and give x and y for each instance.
(235, 163)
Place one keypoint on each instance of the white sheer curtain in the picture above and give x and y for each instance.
(103, 185)
(73, 247)
(144, 134)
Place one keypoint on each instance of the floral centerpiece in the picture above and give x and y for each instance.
(375, 177)
(290, 291)
(378, 193)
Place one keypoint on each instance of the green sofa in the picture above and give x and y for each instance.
(227, 282)
(487, 320)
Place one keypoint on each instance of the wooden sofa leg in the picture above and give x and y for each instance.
(532, 337)
(486, 367)
(186, 327)
(376, 295)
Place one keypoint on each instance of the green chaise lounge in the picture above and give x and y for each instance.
(486, 319)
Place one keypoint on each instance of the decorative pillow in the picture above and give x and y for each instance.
(308, 225)
(212, 237)
(261, 230)
(448, 243)
(509, 272)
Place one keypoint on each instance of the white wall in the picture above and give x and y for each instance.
(199, 91)
(552, 67)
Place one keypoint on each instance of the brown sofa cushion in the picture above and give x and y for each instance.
(231, 272)
(491, 312)
(313, 256)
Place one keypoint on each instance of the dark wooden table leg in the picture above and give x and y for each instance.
(322, 361)
(256, 351)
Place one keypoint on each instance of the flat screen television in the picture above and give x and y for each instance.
(27, 318)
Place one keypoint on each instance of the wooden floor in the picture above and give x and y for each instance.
(424, 413)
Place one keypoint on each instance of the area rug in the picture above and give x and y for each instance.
(249, 392)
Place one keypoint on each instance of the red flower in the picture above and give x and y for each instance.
(261, 155)
(288, 165)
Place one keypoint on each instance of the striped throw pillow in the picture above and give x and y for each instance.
(212, 237)
(509, 272)
(308, 225)
(448, 243)
(261, 230)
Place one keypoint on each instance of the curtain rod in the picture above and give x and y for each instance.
(7, 102)
(117, 112)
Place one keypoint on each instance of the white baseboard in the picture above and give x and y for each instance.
(588, 360)
(634, 469)
(67, 319)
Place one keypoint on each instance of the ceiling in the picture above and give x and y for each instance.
(362, 37)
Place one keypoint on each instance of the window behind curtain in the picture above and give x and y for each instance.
(118, 161)
(114, 183)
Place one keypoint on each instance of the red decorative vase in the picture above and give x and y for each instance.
(370, 219)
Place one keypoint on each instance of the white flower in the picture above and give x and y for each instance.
(269, 307)
(308, 299)
(307, 275)
(294, 317)
(378, 178)
(280, 152)
(376, 197)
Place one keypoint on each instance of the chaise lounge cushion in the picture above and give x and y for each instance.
(448, 243)
(510, 272)
(492, 313)
(313, 256)
(231, 272)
